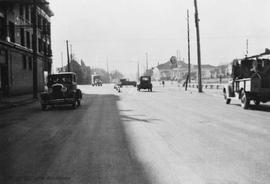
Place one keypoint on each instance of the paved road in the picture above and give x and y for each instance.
(168, 136)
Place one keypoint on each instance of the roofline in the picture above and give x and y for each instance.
(43, 4)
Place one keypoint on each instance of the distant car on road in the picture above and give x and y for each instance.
(125, 82)
(250, 80)
(96, 80)
(145, 83)
(62, 89)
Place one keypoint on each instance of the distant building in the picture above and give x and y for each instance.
(17, 45)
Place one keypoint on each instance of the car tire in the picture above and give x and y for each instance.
(74, 105)
(43, 107)
(257, 102)
(227, 100)
(244, 100)
(79, 103)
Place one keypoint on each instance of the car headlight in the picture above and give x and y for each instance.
(64, 89)
(50, 90)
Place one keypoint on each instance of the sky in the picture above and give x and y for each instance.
(123, 31)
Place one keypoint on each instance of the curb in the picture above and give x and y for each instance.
(8, 105)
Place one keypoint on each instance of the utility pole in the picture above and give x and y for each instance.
(108, 70)
(62, 62)
(146, 57)
(138, 70)
(71, 53)
(247, 48)
(68, 63)
(35, 73)
(198, 46)
(188, 46)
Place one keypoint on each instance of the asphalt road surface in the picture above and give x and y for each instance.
(167, 136)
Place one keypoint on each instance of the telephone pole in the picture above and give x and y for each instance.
(188, 46)
(68, 63)
(138, 70)
(108, 69)
(146, 57)
(62, 62)
(198, 46)
(71, 53)
(247, 48)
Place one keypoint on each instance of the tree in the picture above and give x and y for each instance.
(116, 75)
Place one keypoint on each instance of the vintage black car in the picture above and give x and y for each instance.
(145, 83)
(250, 80)
(61, 89)
(125, 82)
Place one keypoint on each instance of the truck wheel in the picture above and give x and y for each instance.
(43, 106)
(79, 102)
(257, 102)
(227, 100)
(244, 100)
(74, 105)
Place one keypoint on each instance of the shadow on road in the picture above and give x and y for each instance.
(262, 107)
(85, 145)
(132, 118)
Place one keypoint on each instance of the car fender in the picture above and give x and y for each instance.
(44, 96)
(78, 93)
(227, 89)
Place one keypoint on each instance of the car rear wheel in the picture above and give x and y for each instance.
(257, 102)
(79, 103)
(227, 100)
(74, 105)
(244, 100)
(43, 106)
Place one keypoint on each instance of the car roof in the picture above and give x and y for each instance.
(64, 73)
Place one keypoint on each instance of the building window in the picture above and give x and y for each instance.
(27, 14)
(24, 62)
(21, 12)
(2, 28)
(48, 28)
(28, 40)
(32, 15)
(30, 63)
(11, 31)
(39, 45)
(39, 21)
(22, 37)
(44, 47)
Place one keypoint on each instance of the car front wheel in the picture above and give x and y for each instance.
(244, 100)
(257, 102)
(227, 100)
(79, 103)
(43, 106)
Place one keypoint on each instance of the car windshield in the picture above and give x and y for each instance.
(145, 79)
(53, 79)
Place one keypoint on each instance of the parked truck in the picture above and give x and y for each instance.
(96, 80)
(250, 80)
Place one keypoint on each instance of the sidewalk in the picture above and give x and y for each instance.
(15, 101)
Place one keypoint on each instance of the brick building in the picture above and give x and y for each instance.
(25, 45)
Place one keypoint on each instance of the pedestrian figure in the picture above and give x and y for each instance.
(163, 83)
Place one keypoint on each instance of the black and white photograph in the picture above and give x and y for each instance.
(134, 92)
